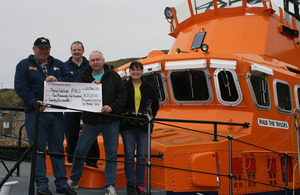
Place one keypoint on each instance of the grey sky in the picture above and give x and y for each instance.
(118, 28)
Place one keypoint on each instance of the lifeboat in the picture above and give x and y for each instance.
(229, 90)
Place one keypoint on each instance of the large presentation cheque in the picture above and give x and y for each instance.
(81, 96)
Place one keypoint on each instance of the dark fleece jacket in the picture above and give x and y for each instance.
(114, 94)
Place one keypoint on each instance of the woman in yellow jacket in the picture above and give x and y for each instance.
(135, 132)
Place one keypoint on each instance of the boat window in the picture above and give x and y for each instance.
(256, 3)
(230, 3)
(259, 88)
(201, 6)
(292, 7)
(293, 70)
(123, 75)
(227, 87)
(190, 86)
(156, 79)
(283, 97)
(182, 11)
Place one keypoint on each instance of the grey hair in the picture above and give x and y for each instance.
(96, 51)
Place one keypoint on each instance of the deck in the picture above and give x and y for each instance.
(24, 179)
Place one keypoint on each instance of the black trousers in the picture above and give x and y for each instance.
(72, 128)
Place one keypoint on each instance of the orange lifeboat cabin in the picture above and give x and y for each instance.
(229, 90)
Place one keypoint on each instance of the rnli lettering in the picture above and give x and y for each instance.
(273, 123)
(32, 68)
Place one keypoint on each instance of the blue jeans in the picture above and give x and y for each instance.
(51, 131)
(72, 128)
(110, 132)
(132, 137)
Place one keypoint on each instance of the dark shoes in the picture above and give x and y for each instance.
(43, 191)
(67, 191)
(130, 190)
(140, 190)
(92, 164)
(46, 191)
(70, 160)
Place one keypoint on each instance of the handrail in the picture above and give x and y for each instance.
(215, 123)
(11, 108)
(245, 125)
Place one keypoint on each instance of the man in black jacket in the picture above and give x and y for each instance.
(114, 97)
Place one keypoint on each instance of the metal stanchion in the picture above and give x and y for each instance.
(19, 144)
(34, 148)
(286, 173)
(215, 133)
(230, 163)
(150, 118)
(149, 160)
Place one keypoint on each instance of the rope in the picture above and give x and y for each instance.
(267, 170)
(250, 161)
(294, 124)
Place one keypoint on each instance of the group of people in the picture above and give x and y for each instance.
(131, 98)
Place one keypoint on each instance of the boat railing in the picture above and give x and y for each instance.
(19, 147)
(190, 8)
(288, 13)
(215, 123)
(32, 148)
(230, 138)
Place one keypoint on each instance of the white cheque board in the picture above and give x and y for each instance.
(81, 96)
